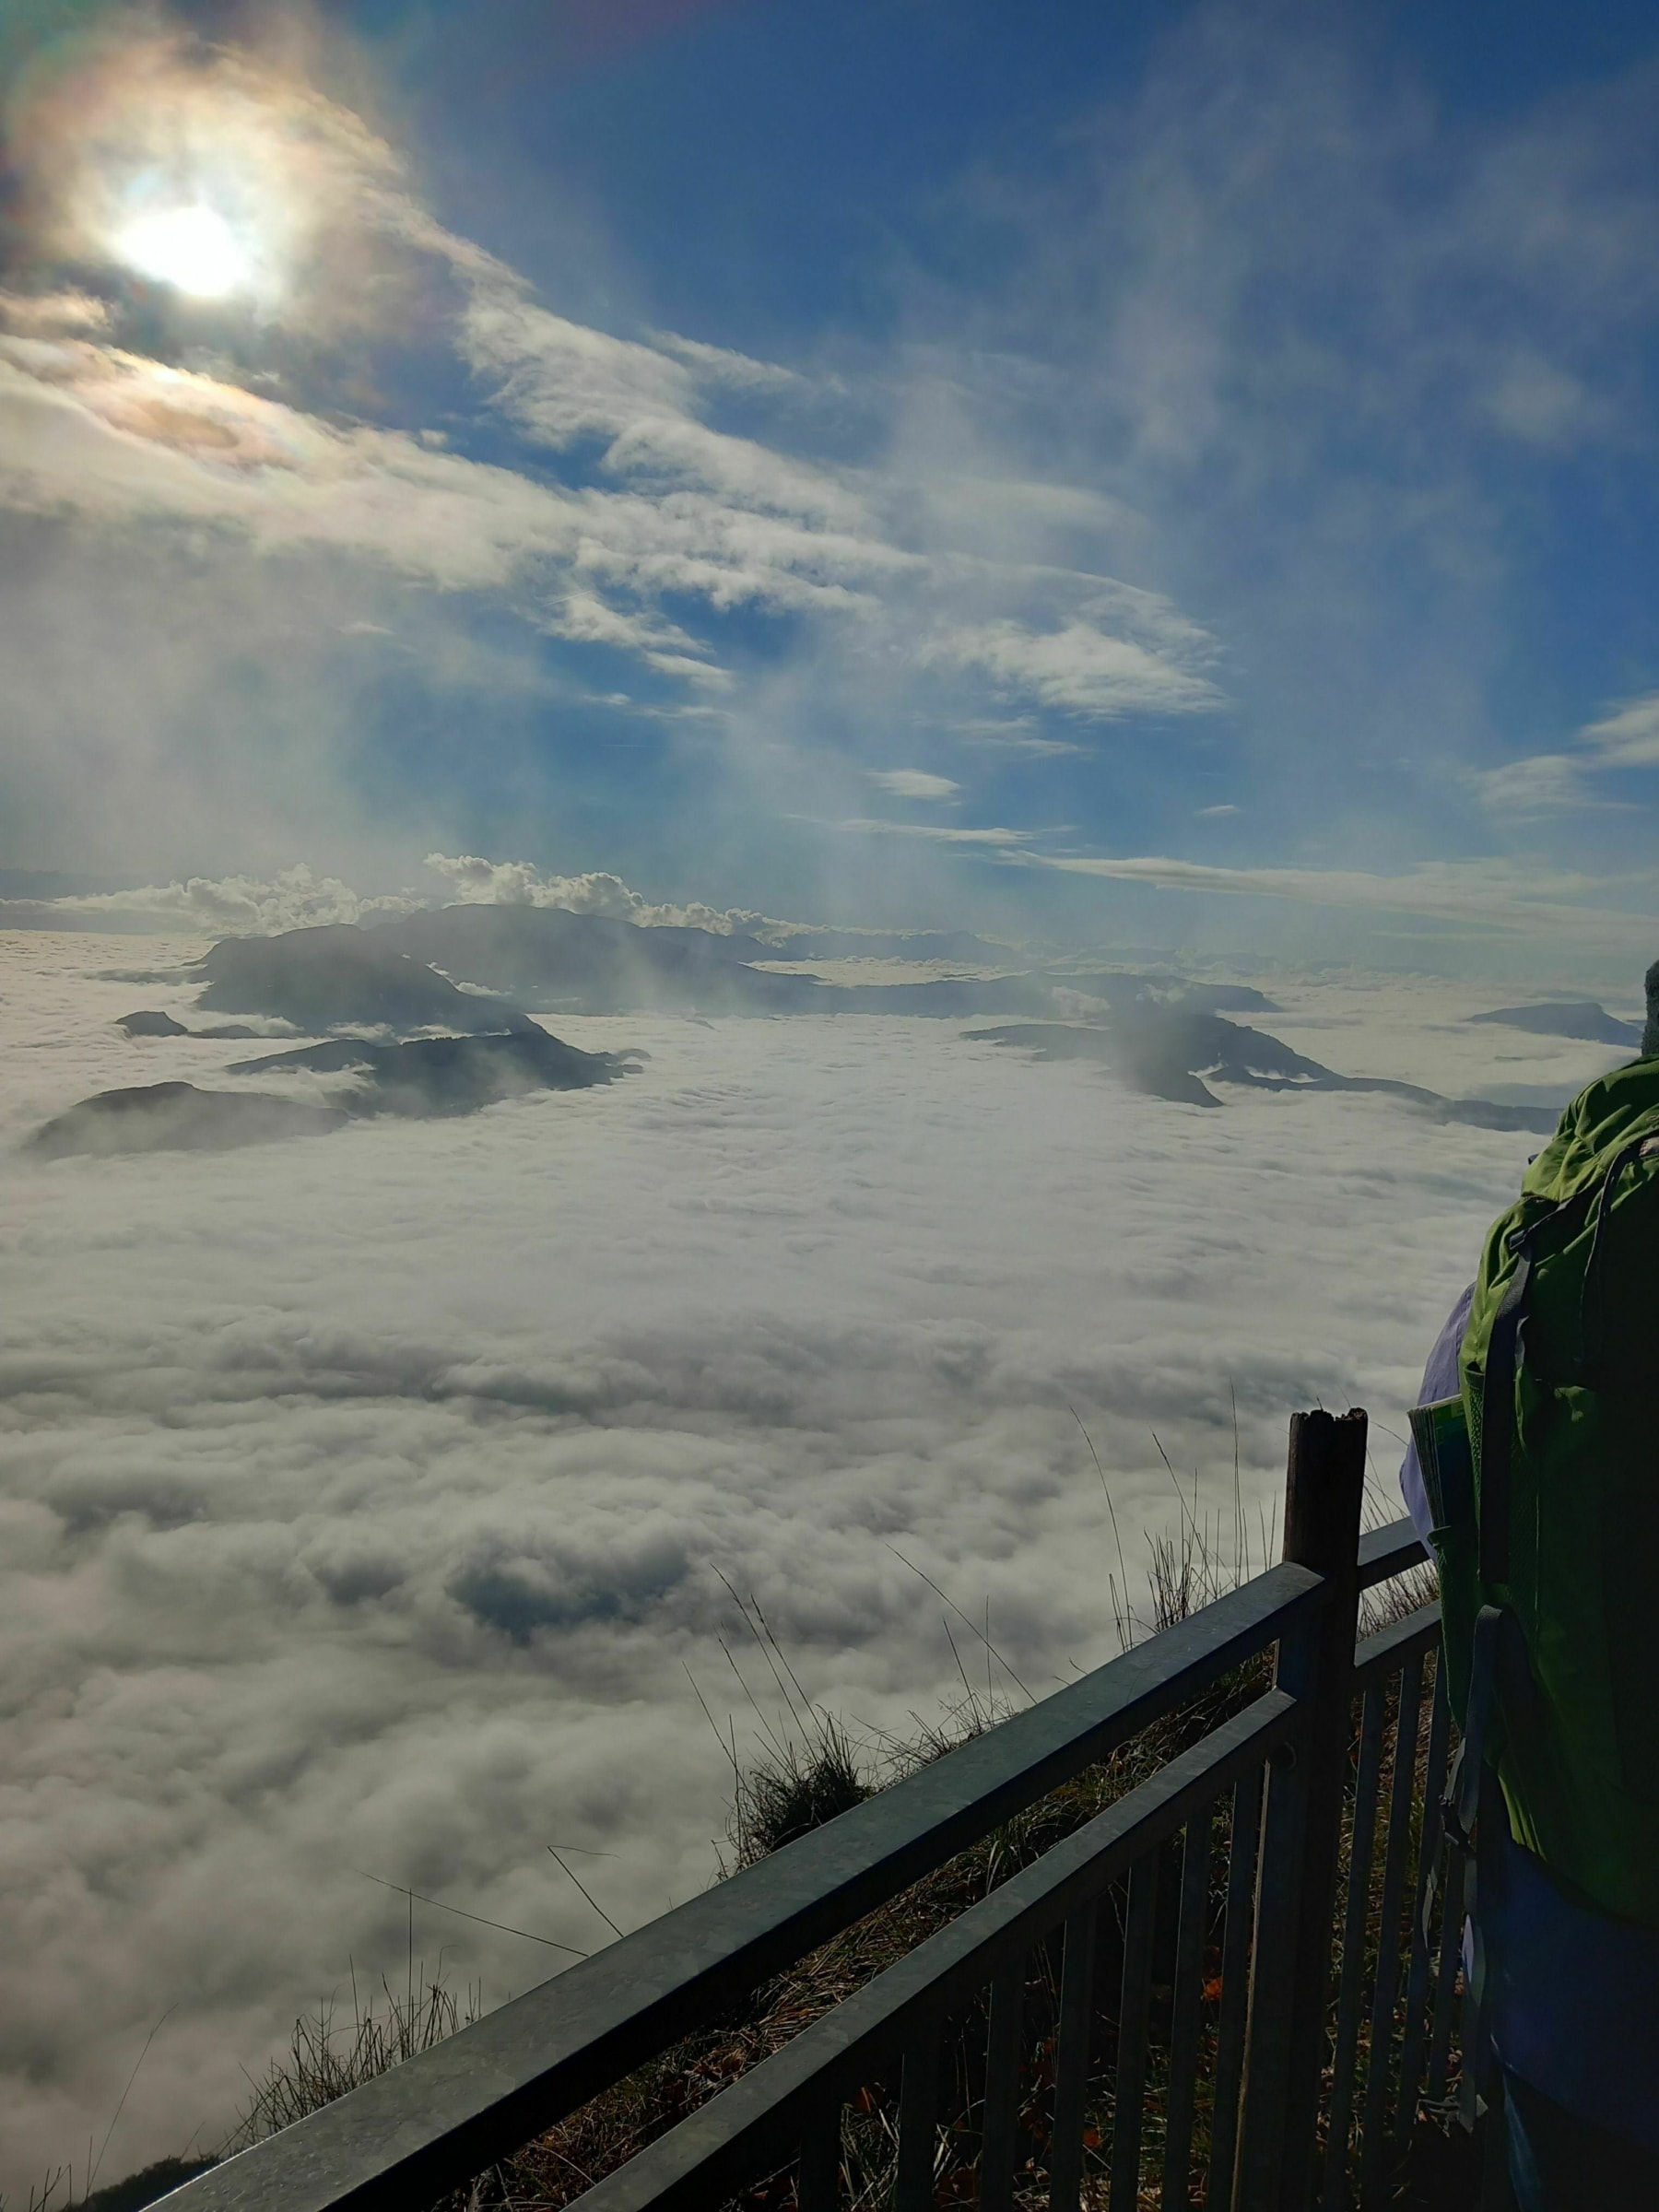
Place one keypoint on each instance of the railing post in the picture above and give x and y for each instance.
(1301, 1822)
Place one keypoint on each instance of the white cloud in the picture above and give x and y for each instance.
(296, 899)
(1539, 784)
(53, 315)
(1629, 738)
(720, 367)
(913, 783)
(470, 880)
(1079, 668)
(695, 515)
(362, 1496)
(1211, 813)
(223, 905)
(1544, 783)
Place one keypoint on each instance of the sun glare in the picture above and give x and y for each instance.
(194, 249)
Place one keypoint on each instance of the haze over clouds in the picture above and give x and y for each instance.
(1034, 510)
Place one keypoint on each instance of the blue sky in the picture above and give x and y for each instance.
(1152, 472)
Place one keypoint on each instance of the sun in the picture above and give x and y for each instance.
(192, 248)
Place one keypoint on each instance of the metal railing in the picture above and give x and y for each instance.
(1221, 1989)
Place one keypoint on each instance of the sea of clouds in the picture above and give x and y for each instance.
(367, 1497)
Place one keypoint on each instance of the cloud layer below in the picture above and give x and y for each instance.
(364, 1500)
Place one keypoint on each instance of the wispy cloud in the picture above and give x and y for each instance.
(679, 514)
(913, 783)
(936, 833)
(1544, 783)
(1478, 893)
(1629, 738)
(1016, 735)
(297, 898)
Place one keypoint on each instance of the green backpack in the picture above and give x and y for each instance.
(1548, 1536)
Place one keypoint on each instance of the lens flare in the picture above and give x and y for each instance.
(220, 174)
(192, 249)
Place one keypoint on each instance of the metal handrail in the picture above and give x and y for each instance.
(761, 2117)
(447, 2113)
(1388, 1551)
(788, 2104)
(1386, 1653)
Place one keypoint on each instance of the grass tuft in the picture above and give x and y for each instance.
(788, 1791)
(327, 2056)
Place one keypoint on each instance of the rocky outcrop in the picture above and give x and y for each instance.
(151, 1024)
(432, 1076)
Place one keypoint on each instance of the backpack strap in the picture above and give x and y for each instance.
(1471, 1809)
(1593, 1298)
(1480, 2055)
(1497, 1421)
(1473, 1804)
(1461, 1803)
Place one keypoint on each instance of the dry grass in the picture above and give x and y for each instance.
(809, 1758)
(553, 2170)
(327, 2056)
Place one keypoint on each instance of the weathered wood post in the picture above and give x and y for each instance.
(1301, 1822)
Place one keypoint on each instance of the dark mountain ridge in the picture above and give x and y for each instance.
(1167, 1051)
(408, 974)
(417, 1080)
(431, 1076)
(323, 978)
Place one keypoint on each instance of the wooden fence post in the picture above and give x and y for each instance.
(1302, 1824)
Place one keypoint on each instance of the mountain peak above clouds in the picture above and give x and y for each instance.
(425, 1077)
(1166, 1049)
(337, 974)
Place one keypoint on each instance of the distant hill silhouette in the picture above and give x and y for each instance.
(546, 958)
(432, 1076)
(591, 963)
(1580, 1017)
(177, 1117)
(1167, 1050)
(326, 978)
